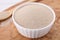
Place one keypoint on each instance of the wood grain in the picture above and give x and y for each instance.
(9, 32)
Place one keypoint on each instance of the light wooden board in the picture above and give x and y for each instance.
(9, 32)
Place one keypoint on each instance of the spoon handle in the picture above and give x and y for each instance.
(12, 7)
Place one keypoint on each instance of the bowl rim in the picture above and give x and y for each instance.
(54, 16)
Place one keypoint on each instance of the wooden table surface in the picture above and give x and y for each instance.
(9, 32)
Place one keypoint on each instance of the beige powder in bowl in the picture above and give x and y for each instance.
(33, 16)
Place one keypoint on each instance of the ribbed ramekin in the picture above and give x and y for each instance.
(34, 33)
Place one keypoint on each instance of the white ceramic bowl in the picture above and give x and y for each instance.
(34, 33)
